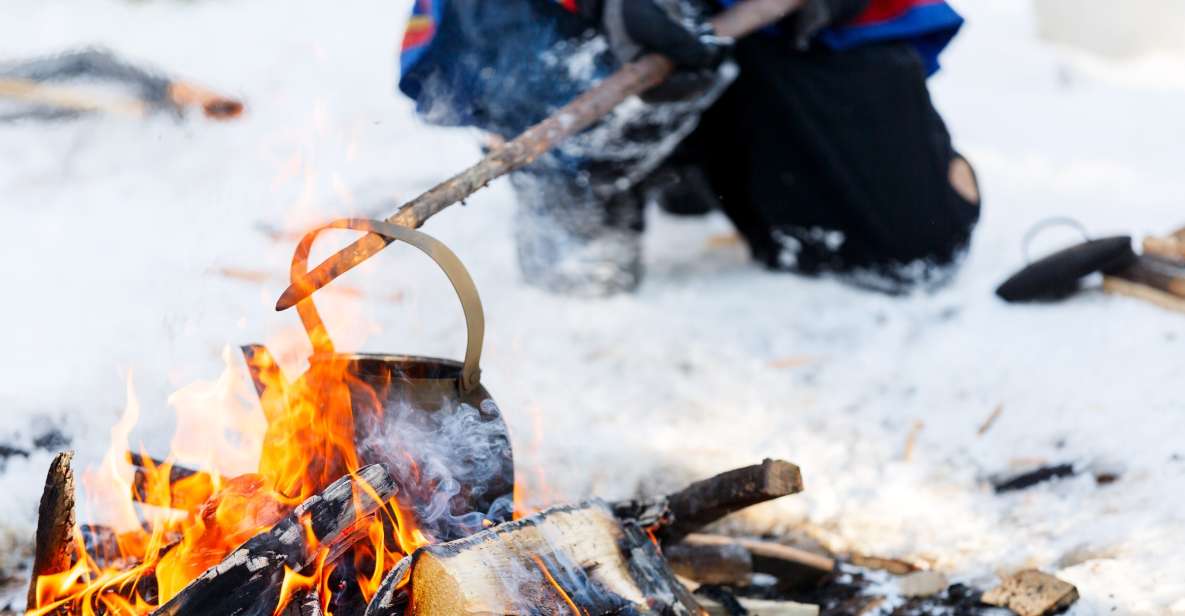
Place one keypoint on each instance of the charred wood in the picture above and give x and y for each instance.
(393, 593)
(55, 523)
(576, 559)
(247, 582)
(704, 502)
(305, 604)
(724, 564)
(1029, 479)
(794, 568)
(186, 490)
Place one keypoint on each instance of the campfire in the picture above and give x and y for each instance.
(384, 485)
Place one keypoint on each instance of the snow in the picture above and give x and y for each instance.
(119, 234)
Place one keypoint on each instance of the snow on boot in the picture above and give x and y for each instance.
(574, 242)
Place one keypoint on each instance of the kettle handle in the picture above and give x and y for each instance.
(445, 258)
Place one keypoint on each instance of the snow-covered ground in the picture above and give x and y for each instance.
(136, 246)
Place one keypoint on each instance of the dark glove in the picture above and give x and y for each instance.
(816, 15)
(675, 28)
(669, 27)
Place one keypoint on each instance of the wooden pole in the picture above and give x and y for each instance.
(630, 80)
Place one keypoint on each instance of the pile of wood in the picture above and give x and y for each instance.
(591, 558)
(644, 557)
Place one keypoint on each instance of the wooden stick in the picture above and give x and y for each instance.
(181, 94)
(723, 564)
(62, 97)
(250, 577)
(1119, 286)
(704, 502)
(1158, 274)
(632, 79)
(793, 567)
(55, 524)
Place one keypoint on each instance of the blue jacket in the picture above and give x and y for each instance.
(928, 24)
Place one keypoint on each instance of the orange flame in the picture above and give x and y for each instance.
(168, 529)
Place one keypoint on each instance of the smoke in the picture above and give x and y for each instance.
(451, 460)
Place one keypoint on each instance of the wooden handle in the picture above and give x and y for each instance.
(63, 97)
(444, 258)
(630, 80)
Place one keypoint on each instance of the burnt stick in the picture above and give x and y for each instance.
(247, 582)
(141, 490)
(55, 523)
(391, 599)
(742, 19)
(704, 502)
(793, 567)
(718, 564)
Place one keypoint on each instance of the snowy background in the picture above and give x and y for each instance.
(148, 246)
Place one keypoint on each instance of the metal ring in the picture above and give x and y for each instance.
(1049, 223)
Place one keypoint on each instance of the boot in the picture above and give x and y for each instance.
(573, 241)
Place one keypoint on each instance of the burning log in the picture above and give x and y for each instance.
(794, 568)
(704, 502)
(187, 488)
(305, 604)
(392, 595)
(248, 581)
(55, 523)
(578, 559)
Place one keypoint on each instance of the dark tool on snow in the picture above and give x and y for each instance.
(418, 395)
(1060, 274)
(1156, 276)
(633, 79)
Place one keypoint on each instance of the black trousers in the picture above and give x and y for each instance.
(835, 161)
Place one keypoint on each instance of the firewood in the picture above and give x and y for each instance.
(794, 568)
(305, 604)
(1171, 248)
(55, 523)
(760, 607)
(1120, 286)
(198, 485)
(393, 593)
(724, 564)
(896, 566)
(247, 582)
(1032, 593)
(704, 502)
(1158, 274)
(923, 583)
(567, 560)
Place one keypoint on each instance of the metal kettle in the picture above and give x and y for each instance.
(429, 420)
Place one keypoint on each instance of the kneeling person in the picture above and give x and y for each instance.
(817, 137)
